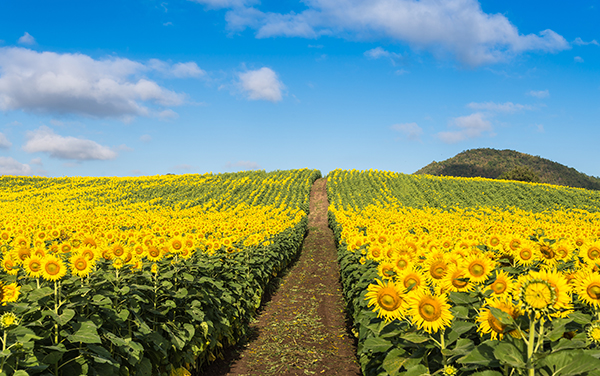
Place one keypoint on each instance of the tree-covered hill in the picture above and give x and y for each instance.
(510, 165)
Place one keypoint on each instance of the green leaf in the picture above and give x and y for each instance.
(463, 298)
(564, 344)
(144, 368)
(20, 373)
(482, 355)
(463, 346)
(580, 318)
(415, 338)
(394, 361)
(38, 294)
(376, 344)
(487, 373)
(85, 332)
(509, 354)
(417, 370)
(570, 363)
(503, 317)
(66, 316)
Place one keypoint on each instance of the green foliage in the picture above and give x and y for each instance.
(492, 163)
(520, 173)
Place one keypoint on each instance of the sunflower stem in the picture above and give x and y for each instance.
(443, 346)
(530, 344)
(540, 336)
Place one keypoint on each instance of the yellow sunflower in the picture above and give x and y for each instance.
(386, 269)
(33, 267)
(81, 265)
(388, 299)
(456, 280)
(53, 268)
(11, 293)
(563, 305)
(412, 279)
(503, 285)
(479, 268)
(488, 323)
(536, 295)
(587, 288)
(430, 312)
(153, 253)
(593, 332)
(437, 268)
(9, 265)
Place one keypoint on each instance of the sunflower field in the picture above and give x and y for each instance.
(140, 276)
(468, 276)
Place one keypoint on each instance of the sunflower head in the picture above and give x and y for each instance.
(537, 295)
(593, 332)
(8, 320)
(430, 312)
(388, 300)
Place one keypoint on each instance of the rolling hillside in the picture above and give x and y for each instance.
(511, 165)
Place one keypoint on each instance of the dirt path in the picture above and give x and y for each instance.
(302, 330)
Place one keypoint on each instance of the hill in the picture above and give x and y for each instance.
(511, 165)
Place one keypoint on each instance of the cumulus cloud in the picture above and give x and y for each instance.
(36, 161)
(578, 59)
(49, 82)
(220, 4)
(470, 126)
(45, 140)
(26, 39)
(4, 143)
(580, 42)
(168, 114)
(10, 166)
(458, 27)
(539, 93)
(145, 138)
(508, 107)
(179, 70)
(245, 165)
(262, 84)
(411, 130)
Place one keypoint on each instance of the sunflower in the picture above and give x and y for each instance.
(588, 288)
(559, 283)
(527, 254)
(386, 269)
(118, 250)
(388, 299)
(11, 293)
(8, 319)
(33, 266)
(20, 242)
(456, 280)
(53, 268)
(81, 265)
(402, 263)
(9, 265)
(437, 267)
(590, 253)
(375, 253)
(176, 244)
(536, 294)
(430, 312)
(488, 323)
(412, 279)
(153, 253)
(479, 268)
(88, 253)
(503, 284)
(23, 253)
(593, 332)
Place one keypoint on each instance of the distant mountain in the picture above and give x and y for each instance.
(511, 165)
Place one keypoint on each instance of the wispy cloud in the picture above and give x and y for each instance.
(45, 140)
(379, 52)
(412, 131)
(261, 84)
(456, 27)
(26, 39)
(507, 107)
(471, 126)
(578, 59)
(539, 93)
(10, 166)
(4, 143)
(580, 42)
(145, 138)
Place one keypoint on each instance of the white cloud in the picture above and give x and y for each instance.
(179, 70)
(499, 107)
(540, 128)
(220, 4)
(168, 23)
(411, 130)
(45, 140)
(578, 59)
(400, 72)
(9, 166)
(262, 83)
(458, 27)
(4, 143)
(470, 126)
(539, 93)
(36, 161)
(26, 39)
(379, 52)
(580, 42)
(48, 82)
(168, 114)
(145, 138)
(246, 165)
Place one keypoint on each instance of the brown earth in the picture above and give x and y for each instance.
(302, 329)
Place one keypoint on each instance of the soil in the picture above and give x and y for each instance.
(302, 330)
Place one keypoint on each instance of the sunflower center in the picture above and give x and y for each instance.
(498, 287)
(52, 268)
(35, 266)
(494, 241)
(401, 264)
(429, 312)
(495, 324)
(593, 253)
(389, 301)
(438, 269)
(410, 282)
(514, 244)
(525, 254)
(594, 334)
(476, 269)
(80, 264)
(376, 253)
(547, 252)
(593, 290)
(459, 281)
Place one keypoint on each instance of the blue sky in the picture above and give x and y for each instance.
(144, 87)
